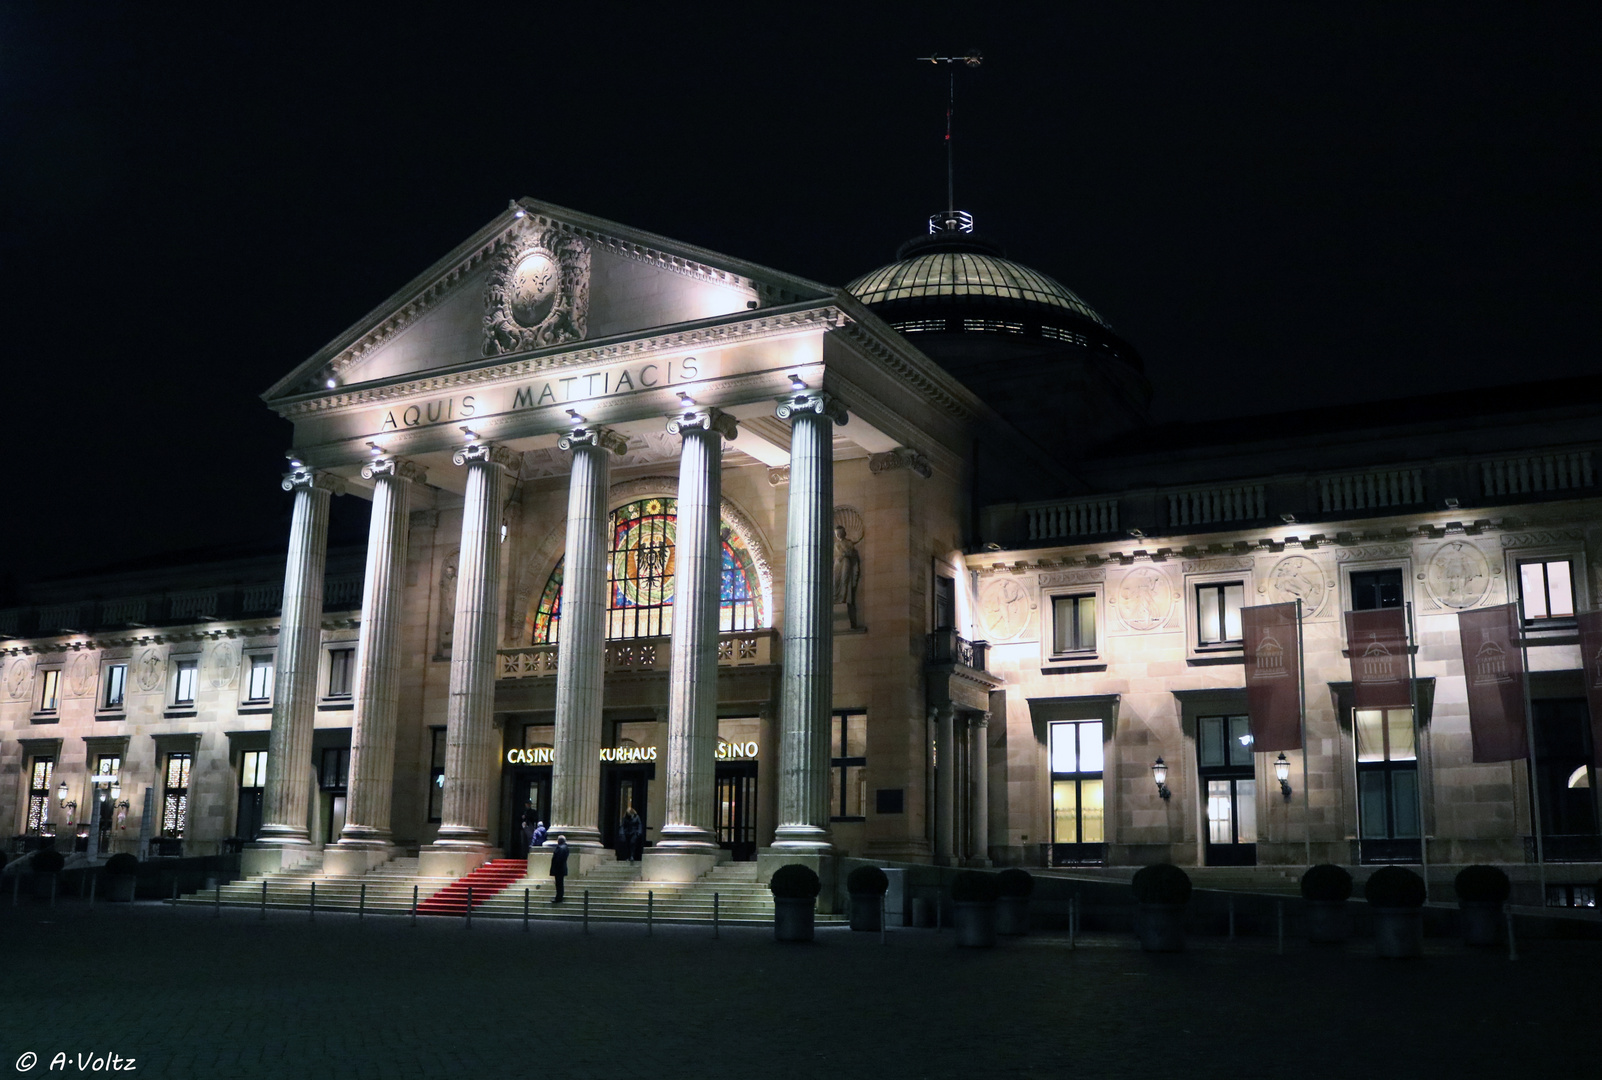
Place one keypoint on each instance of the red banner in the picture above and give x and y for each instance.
(1376, 642)
(1591, 663)
(1493, 667)
(1273, 676)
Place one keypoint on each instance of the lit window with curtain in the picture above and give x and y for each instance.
(1546, 590)
(1218, 613)
(1078, 814)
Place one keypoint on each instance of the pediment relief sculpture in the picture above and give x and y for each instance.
(538, 294)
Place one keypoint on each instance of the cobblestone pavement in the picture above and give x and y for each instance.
(186, 994)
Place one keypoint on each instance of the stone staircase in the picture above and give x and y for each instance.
(477, 888)
(389, 888)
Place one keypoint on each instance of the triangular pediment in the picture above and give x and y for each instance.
(540, 277)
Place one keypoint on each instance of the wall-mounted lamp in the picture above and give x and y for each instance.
(69, 805)
(1282, 774)
(1159, 773)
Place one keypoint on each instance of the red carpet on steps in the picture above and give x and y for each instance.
(485, 882)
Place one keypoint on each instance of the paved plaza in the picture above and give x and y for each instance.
(187, 994)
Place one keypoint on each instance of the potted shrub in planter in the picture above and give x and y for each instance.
(45, 865)
(1397, 897)
(1325, 890)
(1481, 892)
(973, 904)
(120, 872)
(1161, 893)
(1012, 907)
(867, 886)
(795, 899)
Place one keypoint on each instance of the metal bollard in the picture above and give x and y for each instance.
(1512, 946)
(263, 899)
(16, 883)
(414, 907)
(92, 880)
(1279, 918)
(883, 909)
(525, 910)
(174, 890)
(1073, 919)
(311, 912)
(940, 911)
(468, 914)
(1232, 918)
(650, 909)
(715, 927)
(361, 902)
(216, 901)
(586, 911)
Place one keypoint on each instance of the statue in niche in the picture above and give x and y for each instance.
(847, 574)
(447, 607)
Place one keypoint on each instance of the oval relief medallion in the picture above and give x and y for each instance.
(1296, 577)
(1006, 609)
(1144, 599)
(17, 678)
(81, 676)
(148, 670)
(223, 664)
(535, 284)
(1458, 575)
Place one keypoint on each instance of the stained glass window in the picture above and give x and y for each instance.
(639, 569)
(175, 802)
(39, 792)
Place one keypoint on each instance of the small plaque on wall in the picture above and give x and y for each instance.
(889, 800)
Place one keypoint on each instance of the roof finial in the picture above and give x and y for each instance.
(953, 219)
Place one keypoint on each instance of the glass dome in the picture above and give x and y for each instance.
(945, 276)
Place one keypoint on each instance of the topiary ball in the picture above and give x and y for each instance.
(1161, 883)
(867, 880)
(1395, 887)
(1327, 883)
(1015, 882)
(974, 887)
(49, 861)
(794, 881)
(1481, 884)
(122, 864)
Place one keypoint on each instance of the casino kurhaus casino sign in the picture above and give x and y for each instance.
(545, 755)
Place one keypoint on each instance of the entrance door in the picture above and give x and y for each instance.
(623, 786)
(1229, 781)
(736, 809)
(252, 785)
(529, 785)
(1565, 776)
(1077, 806)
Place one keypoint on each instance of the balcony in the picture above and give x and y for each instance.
(954, 668)
(948, 647)
(742, 648)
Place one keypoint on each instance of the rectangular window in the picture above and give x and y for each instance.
(1073, 623)
(184, 682)
(335, 767)
(1374, 589)
(1227, 771)
(39, 774)
(436, 775)
(252, 789)
(1218, 613)
(253, 769)
(340, 664)
(116, 686)
(175, 796)
(848, 782)
(1387, 785)
(1546, 589)
(259, 685)
(1078, 815)
(49, 689)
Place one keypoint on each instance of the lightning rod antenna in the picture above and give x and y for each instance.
(972, 59)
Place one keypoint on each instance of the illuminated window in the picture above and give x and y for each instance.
(436, 775)
(253, 769)
(260, 685)
(640, 567)
(116, 685)
(252, 789)
(1228, 775)
(1387, 785)
(49, 690)
(1073, 624)
(335, 768)
(175, 796)
(184, 681)
(1218, 613)
(39, 792)
(1077, 793)
(848, 762)
(1546, 589)
(340, 666)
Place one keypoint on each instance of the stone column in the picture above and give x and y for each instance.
(807, 687)
(581, 667)
(470, 752)
(688, 846)
(945, 785)
(364, 842)
(285, 802)
(979, 790)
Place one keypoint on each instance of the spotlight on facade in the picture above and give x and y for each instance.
(1453, 504)
(1137, 534)
(375, 448)
(796, 382)
(472, 436)
(1289, 519)
(332, 383)
(574, 416)
(1159, 773)
(685, 399)
(1282, 774)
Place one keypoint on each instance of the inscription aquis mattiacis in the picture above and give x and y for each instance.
(557, 390)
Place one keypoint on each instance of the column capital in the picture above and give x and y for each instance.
(600, 437)
(902, 457)
(483, 453)
(312, 479)
(813, 401)
(394, 468)
(691, 421)
(981, 719)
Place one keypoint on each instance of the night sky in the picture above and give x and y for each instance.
(1281, 205)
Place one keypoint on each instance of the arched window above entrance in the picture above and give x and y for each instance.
(639, 572)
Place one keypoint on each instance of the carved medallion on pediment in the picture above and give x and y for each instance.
(1296, 577)
(538, 294)
(1006, 608)
(1458, 575)
(1143, 599)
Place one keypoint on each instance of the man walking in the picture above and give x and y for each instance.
(559, 866)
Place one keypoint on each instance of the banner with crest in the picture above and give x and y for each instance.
(1273, 676)
(1493, 668)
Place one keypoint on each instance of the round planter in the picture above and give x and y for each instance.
(1328, 922)
(1398, 932)
(866, 908)
(1481, 921)
(120, 887)
(975, 921)
(1012, 916)
(792, 917)
(1160, 927)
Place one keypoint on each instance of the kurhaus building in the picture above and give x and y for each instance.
(900, 571)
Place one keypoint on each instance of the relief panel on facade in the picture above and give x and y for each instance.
(1007, 610)
(446, 608)
(1297, 577)
(1457, 575)
(19, 676)
(1143, 598)
(222, 665)
(81, 675)
(149, 670)
(539, 293)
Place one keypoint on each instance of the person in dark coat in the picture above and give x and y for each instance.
(559, 866)
(537, 838)
(633, 835)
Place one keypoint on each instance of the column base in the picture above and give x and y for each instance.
(577, 839)
(452, 860)
(352, 859)
(802, 840)
(977, 864)
(669, 864)
(258, 858)
(824, 864)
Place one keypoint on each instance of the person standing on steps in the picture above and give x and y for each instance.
(559, 866)
(537, 838)
(633, 835)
